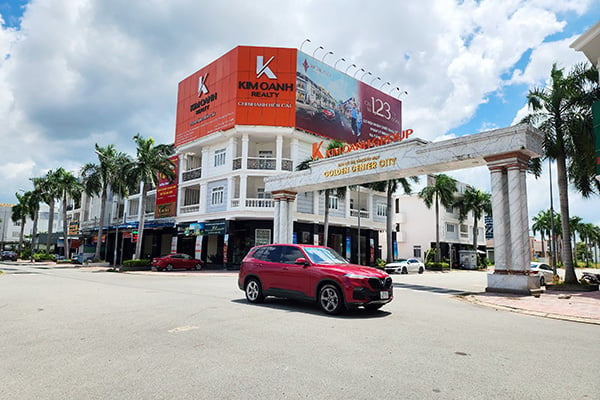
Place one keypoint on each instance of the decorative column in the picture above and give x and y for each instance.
(278, 152)
(245, 141)
(511, 226)
(282, 218)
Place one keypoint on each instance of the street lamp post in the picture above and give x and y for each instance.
(552, 238)
(305, 40)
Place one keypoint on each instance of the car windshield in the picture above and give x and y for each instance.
(400, 260)
(323, 255)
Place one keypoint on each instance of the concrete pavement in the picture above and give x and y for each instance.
(465, 285)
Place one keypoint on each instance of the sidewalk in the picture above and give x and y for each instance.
(570, 306)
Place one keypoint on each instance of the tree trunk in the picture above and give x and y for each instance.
(50, 226)
(21, 234)
(438, 255)
(100, 226)
(563, 194)
(388, 223)
(138, 245)
(65, 227)
(475, 242)
(34, 234)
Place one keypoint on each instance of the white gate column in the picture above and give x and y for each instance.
(511, 226)
(282, 217)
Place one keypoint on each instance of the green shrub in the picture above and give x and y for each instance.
(136, 263)
(437, 266)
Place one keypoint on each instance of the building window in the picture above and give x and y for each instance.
(219, 157)
(417, 251)
(464, 231)
(381, 210)
(265, 154)
(191, 196)
(450, 210)
(217, 195)
(193, 162)
(333, 202)
(260, 194)
(450, 228)
(397, 206)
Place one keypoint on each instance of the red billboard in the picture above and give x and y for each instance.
(166, 194)
(281, 87)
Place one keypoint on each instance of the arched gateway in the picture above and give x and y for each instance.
(505, 151)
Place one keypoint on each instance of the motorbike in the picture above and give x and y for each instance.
(590, 278)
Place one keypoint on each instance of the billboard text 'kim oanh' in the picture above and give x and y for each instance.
(281, 87)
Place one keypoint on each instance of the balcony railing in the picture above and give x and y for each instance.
(254, 203)
(263, 163)
(191, 174)
(192, 208)
(363, 213)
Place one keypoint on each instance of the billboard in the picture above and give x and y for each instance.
(281, 87)
(333, 104)
(166, 194)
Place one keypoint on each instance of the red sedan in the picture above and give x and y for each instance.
(177, 261)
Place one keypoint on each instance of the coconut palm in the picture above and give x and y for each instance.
(479, 204)
(390, 187)
(151, 161)
(19, 214)
(68, 187)
(98, 178)
(440, 192)
(541, 225)
(575, 228)
(46, 185)
(562, 112)
(35, 198)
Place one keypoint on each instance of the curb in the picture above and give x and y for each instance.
(471, 299)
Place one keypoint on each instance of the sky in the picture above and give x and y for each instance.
(78, 72)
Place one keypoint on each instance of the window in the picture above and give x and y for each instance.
(290, 254)
(333, 202)
(193, 162)
(262, 236)
(450, 228)
(265, 154)
(260, 194)
(417, 251)
(219, 157)
(191, 196)
(216, 195)
(450, 210)
(397, 206)
(464, 231)
(381, 210)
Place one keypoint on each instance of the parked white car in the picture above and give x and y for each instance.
(544, 271)
(404, 266)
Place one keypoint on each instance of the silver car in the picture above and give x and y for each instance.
(405, 265)
(544, 271)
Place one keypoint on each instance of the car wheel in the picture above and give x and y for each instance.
(404, 271)
(254, 291)
(542, 281)
(169, 267)
(373, 307)
(198, 267)
(421, 270)
(330, 299)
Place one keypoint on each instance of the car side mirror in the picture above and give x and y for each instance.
(302, 261)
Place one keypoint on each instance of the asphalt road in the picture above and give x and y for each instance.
(76, 334)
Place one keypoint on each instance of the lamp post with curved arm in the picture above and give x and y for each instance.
(326, 54)
(366, 73)
(357, 71)
(317, 49)
(349, 66)
(305, 40)
(339, 59)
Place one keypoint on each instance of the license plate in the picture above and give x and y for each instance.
(384, 295)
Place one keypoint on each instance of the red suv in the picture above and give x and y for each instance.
(313, 273)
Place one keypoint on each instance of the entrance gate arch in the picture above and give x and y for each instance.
(505, 151)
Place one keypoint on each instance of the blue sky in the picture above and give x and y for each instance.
(78, 72)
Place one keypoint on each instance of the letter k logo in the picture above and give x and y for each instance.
(202, 89)
(263, 68)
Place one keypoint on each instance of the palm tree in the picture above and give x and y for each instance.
(68, 187)
(151, 160)
(562, 112)
(441, 191)
(35, 198)
(340, 192)
(479, 204)
(98, 178)
(19, 214)
(575, 228)
(48, 187)
(541, 224)
(390, 187)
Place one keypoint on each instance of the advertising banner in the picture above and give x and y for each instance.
(166, 194)
(333, 104)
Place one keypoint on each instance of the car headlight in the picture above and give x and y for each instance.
(356, 276)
